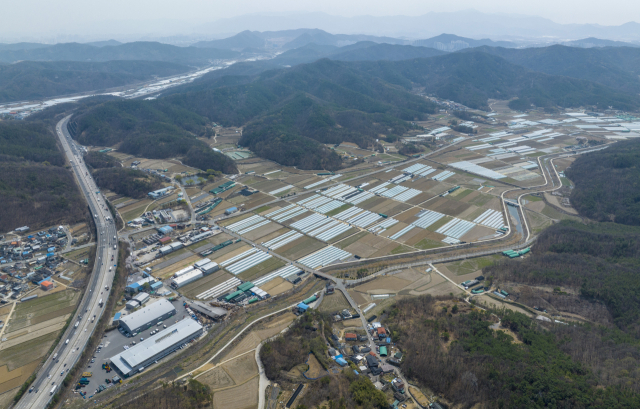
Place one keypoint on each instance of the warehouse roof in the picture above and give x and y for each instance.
(147, 314)
(153, 346)
(213, 312)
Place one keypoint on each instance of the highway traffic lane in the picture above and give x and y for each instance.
(69, 351)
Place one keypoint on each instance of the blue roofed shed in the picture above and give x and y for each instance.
(116, 318)
(302, 307)
(165, 230)
(46, 279)
(341, 361)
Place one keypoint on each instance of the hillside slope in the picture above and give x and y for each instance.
(35, 187)
(34, 80)
(608, 183)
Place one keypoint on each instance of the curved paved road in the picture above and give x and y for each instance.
(75, 339)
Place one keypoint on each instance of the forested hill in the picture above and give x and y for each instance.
(473, 77)
(615, 67)
(34, 80)
(607, 183)
(141, 50)
(287, 114)
(151, 129)
(35, 187)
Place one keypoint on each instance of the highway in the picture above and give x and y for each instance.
(76, 337)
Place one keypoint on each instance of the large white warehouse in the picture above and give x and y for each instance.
(156, 347)
(147, 316)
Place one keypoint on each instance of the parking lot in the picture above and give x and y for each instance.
(113, 342)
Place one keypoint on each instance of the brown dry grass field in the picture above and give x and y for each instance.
(6, 399)
(216, 378)
(243, 396)
(419, 396)
(383, 285)
(15, 378)
(221, 256)
(264, 331)
(170, 270)
(242, 369)
(334, 302)
(315, 369)
(277, 286)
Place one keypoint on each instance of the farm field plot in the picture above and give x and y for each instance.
(244, 396)
(457, 278)
(216, 378)
(276, 286)
(344, 235)
(350, 240)
(261, 269)
(368, 245)
(134, 210)
(391, 248)
(300, 248)
(477, 233)
(262, 231)
(236, 219)
(383, 285)
(471, 265)
(77, 255)
(191, 290)
(256, 336)
(266, 185)
(334, 302)
(18, 362)
(168, 271)
(237, 249)
(42, 309)
(224, 251)
(242, 369)
(272, 235)
(358, 298)
(448, 206)
(34, 331)
(256, 200)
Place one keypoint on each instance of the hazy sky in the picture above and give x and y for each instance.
(37, 16)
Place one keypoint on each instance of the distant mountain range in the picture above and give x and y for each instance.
(148, 51)
(468, 23)
(290, 39)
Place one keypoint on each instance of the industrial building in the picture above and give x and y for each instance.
(139, 285)
(186, 278)
(136, 358)
(216, 313)
(156, 194)
(147, 316)
(170, 248)
(137, 301)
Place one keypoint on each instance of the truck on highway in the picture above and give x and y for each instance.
(66, 342)
(53, 389)
(55, 356)
(100, 303)
(77, 323)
